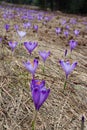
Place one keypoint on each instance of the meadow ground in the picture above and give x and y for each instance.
(62, 110)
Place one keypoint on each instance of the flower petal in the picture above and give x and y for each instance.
(36, 97)
(44, 55)
(73, 66)
(43, 96)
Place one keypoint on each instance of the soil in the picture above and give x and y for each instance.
(62, 110)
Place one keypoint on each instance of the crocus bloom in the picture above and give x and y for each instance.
(30, 46)
(46, 18)
(27, 25)
(39, 93)
(7, 26)
(4, 16)
(44, 55)
(35, 27)
(67, 27)
(66, 52)
(30, 17)
(72, 44)
(83, 119)
(31, 67)
(39, 17)
(76, 32)
(63, 22)
(0, 40)
(67, 67)
(21, 33)
(58, 30)
(16, 27)
(12, 45)
(73, 21)
(66, 33)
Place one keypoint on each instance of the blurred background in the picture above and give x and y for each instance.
(68, 6)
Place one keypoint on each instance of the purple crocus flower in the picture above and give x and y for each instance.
(44, 55)
(67, 27)
(39, 17)
(12, 45)
(72, 44)
(7, 26)
(27, 25)
(63, 22)
(76, 32)
(66, 52)
(4, 16)
(46, 18)
(58, 30)
(39, 93)
(0, 39)
(35, 27)
(16, 27)
(31, 67)
(30, 46)
(30, 17)
(21, 33)
(67, 67)
(66, 33)
(73, 21)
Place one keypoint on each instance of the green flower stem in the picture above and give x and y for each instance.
(65, 84)
(34, 120)
(12, 54)
(19, 45)
(43, 69)
(20, 42)
(70, 54)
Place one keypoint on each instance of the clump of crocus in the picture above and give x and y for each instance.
(58, 30)
(7, 26)
(31, 67)
(30, 46)
(72, 44)
(76, 32)
(44, 55)
(39, 95)
(12, 45)
(67, 68)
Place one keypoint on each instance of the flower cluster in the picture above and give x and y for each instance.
(38, 89)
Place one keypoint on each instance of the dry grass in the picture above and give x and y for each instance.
(62, 110)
